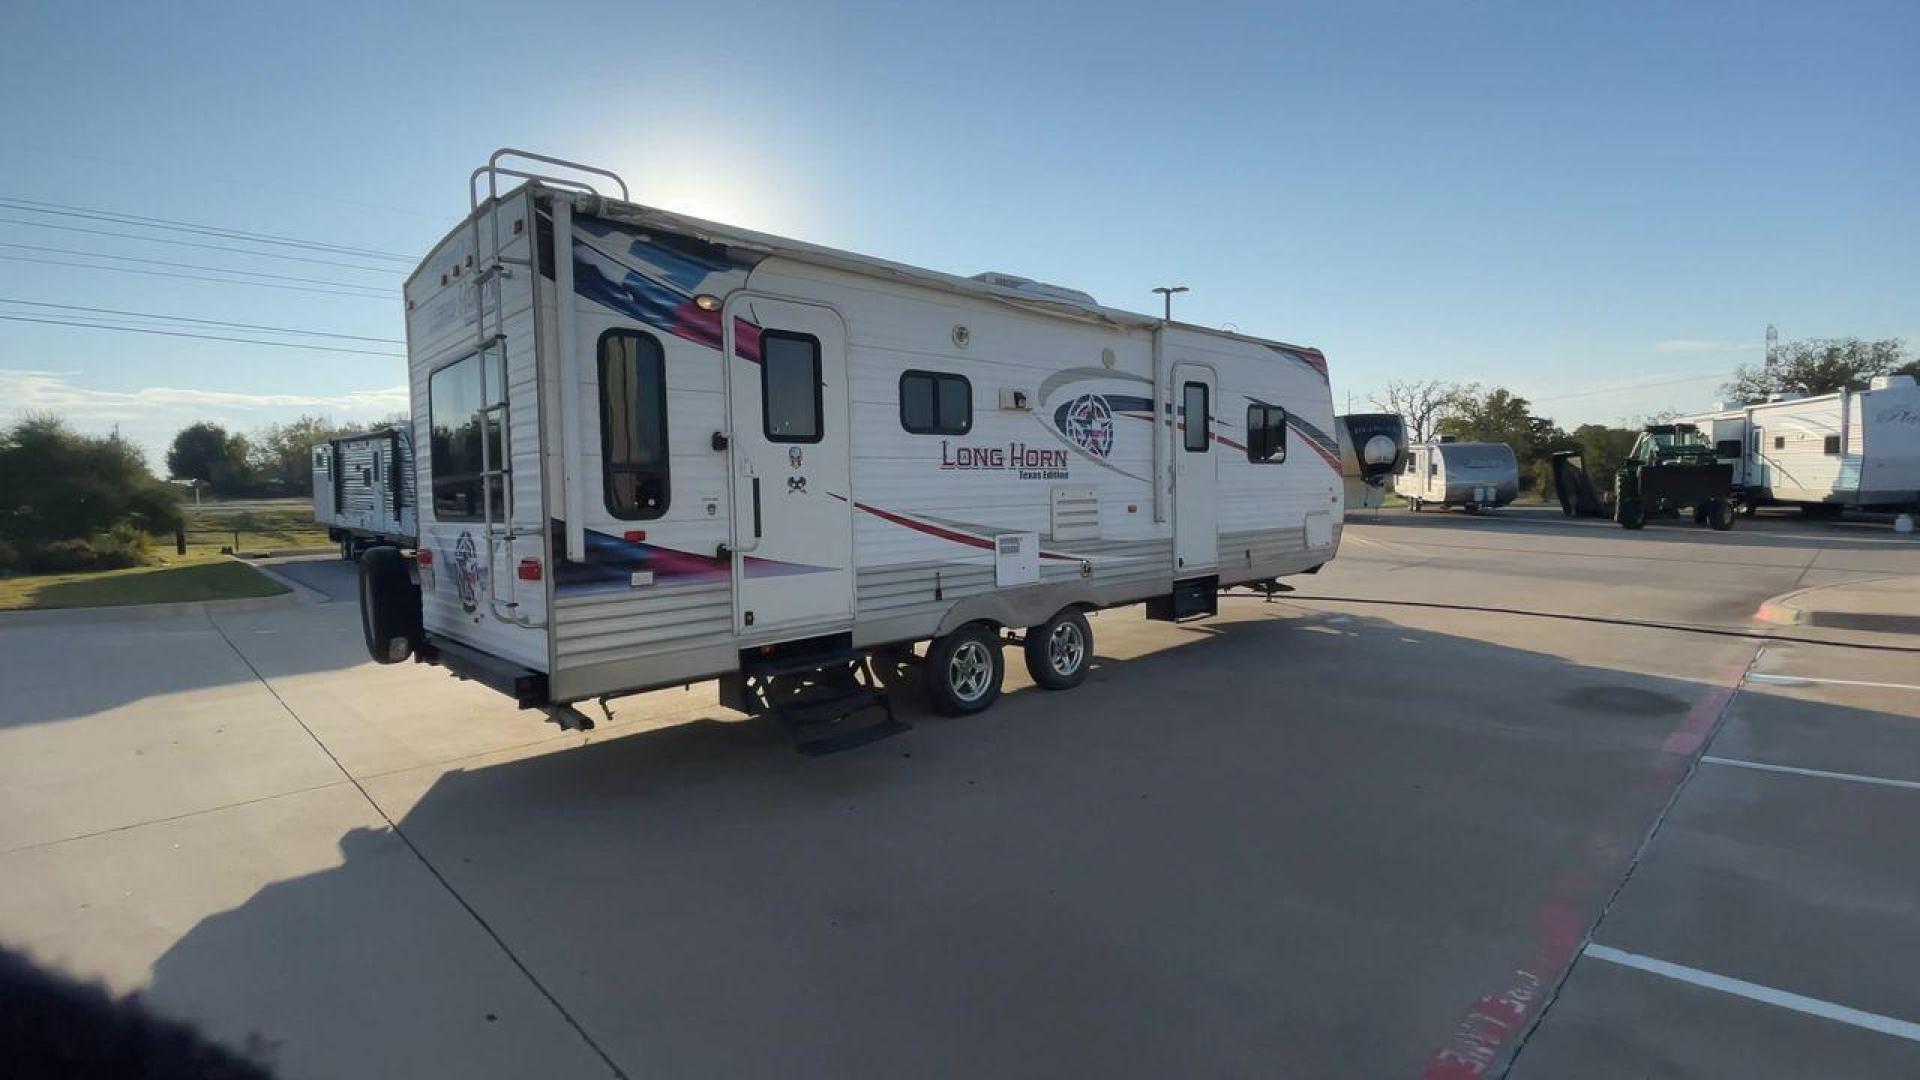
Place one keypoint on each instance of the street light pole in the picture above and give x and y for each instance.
(1167, 292)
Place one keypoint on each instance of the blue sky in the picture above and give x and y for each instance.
(1555, 198)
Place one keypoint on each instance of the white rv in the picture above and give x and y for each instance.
(1473, 476)
(1856, 449)
(663, 450)
(363, 489)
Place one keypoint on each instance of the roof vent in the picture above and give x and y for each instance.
(1039, 290)
(1891, 382)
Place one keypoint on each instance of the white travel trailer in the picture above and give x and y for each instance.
(1472, 476)
(363, 489)
(662, 450)
(1856, 449)
(1372, 448)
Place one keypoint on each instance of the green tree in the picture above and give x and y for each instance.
(209, 454)
(281, 455)
(1819, 366)
(58, 486)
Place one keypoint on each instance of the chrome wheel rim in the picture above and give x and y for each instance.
(1066, 648)
(970, 671)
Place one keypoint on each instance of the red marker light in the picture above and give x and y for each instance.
(529, 569)
(425, 557)
(634, 536)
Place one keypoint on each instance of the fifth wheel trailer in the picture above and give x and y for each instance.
(363, 489)
(1858, 448)
(662, 450)
(1372, 447)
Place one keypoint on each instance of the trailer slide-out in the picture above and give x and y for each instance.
(660, 450)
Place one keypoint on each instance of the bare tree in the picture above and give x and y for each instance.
(1420, 402)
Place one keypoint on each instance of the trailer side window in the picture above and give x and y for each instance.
(1779, 442)
(1198, 419)
(936, 403)
(633, 425)
(1266, 433)
(466, 407)
(1831, 445)
(790, 386)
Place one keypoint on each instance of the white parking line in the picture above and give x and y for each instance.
(1804, 680)
(1821, 773)
(1886, 1025)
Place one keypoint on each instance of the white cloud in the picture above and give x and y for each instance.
(150, 416)
(1696, 345)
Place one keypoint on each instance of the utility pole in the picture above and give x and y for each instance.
(1167, 291)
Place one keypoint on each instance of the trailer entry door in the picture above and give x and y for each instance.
(792, 503)
(1196, 541)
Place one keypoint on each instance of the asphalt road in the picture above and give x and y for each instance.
(1378, 832)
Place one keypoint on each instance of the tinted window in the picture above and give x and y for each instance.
(790, 386)
(1193, 397)
(1831, 445)
(1779, 442)
(1266, 433)
(468, 452)
(936, 403)
(633, 424)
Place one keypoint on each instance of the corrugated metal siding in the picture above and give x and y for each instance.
(619, 626)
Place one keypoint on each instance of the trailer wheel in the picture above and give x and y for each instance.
(1060, 650)
(389, 606)
(964, 670)
(1720, 515)
(1630, 514)
(347, 547)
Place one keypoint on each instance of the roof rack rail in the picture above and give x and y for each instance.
(493, 170)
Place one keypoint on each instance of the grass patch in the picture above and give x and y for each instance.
(178, 580)
(253, 527)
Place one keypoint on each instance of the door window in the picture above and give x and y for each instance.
(790, 399)
(633, 425)
(1193, 399)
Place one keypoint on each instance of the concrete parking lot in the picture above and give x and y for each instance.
(1490, 795)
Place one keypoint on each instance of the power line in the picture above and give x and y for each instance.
(192, 244)
(36, 206)
(194, 266)
(202, 337)
(195, 277)
(202, 322)
(1623, 387)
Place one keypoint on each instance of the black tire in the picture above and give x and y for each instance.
(964, 670)
(1471, 508)
(389, 606)
(1720, 516)
(1060, 650)
(1630, 514)
(1700, 514)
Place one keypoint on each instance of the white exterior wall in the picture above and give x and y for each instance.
(1793, 463)
(471, 593)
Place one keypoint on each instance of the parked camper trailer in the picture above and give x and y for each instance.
(363, 489)
(1472, 476)
(1372, 448)
(1857, 449)
(663, 450)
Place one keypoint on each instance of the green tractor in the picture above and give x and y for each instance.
(1672, 467)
